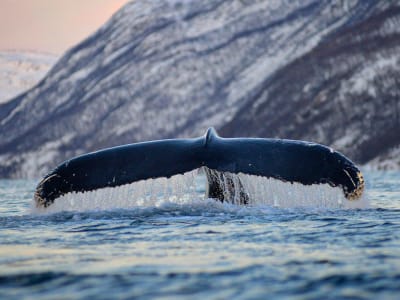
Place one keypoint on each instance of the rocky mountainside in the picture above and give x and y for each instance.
(161, 69)
(344, 93)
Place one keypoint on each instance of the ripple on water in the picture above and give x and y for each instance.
(202, 249)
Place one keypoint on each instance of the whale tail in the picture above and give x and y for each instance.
(287, 161)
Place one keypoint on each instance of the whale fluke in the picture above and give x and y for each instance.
(286, 160)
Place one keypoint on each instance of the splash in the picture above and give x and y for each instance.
(277, 193)
(145, 193)
(190, 188)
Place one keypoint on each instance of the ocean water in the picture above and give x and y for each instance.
(201, 249)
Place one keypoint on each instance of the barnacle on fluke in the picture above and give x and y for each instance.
(357, 192)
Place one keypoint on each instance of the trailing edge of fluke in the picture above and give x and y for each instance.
(286, 160)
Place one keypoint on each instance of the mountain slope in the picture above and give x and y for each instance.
(343, 93)
(20, 71)
(162, 69)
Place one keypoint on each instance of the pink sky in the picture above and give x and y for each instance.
(51, 25)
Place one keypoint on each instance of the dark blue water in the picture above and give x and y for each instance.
(202, 250)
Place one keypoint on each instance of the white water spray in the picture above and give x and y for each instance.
(188, 187)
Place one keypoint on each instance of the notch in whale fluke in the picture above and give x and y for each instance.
(286, 160)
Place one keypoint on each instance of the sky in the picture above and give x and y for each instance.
(51, 26)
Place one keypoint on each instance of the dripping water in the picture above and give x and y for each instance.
(191, 186)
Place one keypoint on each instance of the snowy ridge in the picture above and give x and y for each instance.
(20, 71)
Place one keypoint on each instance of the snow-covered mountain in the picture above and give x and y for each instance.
(344, 93)
(162, 69)
(20, 71)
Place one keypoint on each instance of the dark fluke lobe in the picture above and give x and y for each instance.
(286, 160)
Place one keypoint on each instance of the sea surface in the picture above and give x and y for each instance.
(201, 249)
